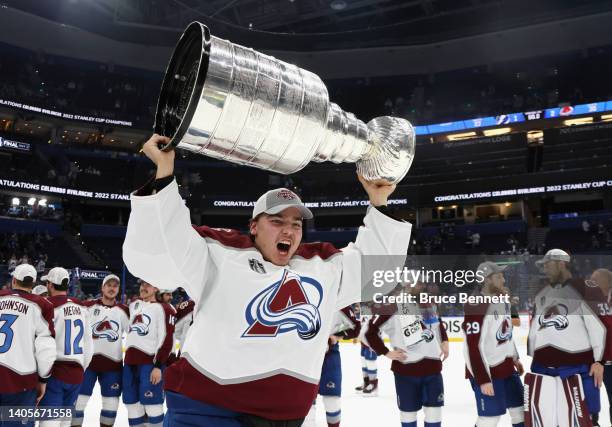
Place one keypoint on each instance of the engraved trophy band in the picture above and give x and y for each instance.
(233, 103)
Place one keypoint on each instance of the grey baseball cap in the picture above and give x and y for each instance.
(276, 201)
(489, 267)
(554, 255)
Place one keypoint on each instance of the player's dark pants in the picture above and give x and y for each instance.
(185, 412)
(24, 398)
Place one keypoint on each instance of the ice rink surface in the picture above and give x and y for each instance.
(381, 411)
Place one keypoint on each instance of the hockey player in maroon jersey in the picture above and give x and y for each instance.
(257, 295)
(109, 323)
(27, 345)
(602, 277)
(73, 340)
(492, 362)
(330, 386)
(567, 343)
(184, 319)
(149, 343)
(420, 345)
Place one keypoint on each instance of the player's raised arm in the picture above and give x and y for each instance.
(161, 245)
(381, 244)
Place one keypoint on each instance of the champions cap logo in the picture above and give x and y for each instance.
(555, 316)
(504, 332)
(291, 304)
(140, 324)
(286, 194)
(106, 329)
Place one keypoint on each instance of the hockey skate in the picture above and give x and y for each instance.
(359, 389)
(371, 390)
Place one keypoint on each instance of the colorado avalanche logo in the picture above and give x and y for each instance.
(504, 332)
(106, 329)
(140, 324)
(555, 316)
(290, 304)
(427, 335)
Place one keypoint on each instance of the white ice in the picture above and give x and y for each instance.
(381, 411)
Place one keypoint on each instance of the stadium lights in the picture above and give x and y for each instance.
(499, 131)
(463, 135)
(15, 201)
(42, 202)
(31, 201)
(580, 121)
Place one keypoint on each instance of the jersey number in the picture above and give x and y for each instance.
(71, 347)
(472, 328)
(7, 321)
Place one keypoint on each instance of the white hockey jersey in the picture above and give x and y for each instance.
(565, 327)
(27, 345)
(109, 324)
(276, 318)
(489, 349)
(73, 340)
(417, 330)
(150, 333)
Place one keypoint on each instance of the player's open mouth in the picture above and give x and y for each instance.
(283, 247)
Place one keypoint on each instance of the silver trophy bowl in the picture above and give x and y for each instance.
(232, 103)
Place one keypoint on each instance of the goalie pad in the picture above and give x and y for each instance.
(552, 401)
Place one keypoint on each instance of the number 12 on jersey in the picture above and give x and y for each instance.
(73, 347)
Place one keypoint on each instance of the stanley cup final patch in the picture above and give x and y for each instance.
(256, 266)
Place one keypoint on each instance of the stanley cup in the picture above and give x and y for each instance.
(229, 102)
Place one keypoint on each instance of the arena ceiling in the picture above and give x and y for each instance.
(307, 24)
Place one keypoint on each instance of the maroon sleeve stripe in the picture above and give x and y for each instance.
(473, 337)
(373, 334)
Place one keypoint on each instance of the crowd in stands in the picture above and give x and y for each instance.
(23, 248)
(106, 90)
(78, 86)
(488, 90)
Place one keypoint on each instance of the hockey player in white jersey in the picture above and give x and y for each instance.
(149, 343)
(419, 345)
(73, 340)
(257, 295)
(492, 361)
(109, 322)
(27, 347)
(567, 343)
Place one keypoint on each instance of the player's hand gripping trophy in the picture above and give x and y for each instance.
(233, 103)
